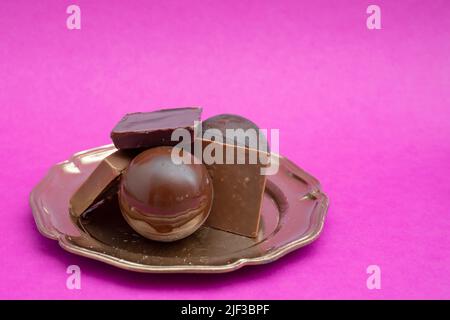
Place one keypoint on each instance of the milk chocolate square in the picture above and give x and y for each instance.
(107, 173)
(238, 191)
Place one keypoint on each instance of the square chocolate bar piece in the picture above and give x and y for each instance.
(151, 129)
(238, 191)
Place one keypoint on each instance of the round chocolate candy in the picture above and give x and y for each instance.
(162, 200)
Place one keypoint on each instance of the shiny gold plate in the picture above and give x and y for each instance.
(293, 215)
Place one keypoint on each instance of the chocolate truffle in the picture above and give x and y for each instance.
(223, 122)
(162, 200)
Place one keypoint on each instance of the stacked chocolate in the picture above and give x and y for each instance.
(168, 188)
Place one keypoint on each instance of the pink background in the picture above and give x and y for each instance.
(365, 111)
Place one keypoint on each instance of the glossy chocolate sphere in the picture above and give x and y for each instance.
(162, 200)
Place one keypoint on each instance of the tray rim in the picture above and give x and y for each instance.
(322, 205)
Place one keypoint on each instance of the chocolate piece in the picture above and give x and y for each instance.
(162, 200)
(238, 194)
(238, 188)
(152, 129)
(99, 182)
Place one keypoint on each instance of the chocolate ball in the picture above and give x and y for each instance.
(162, 200)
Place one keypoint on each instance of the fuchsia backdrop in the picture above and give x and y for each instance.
(365, 111)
